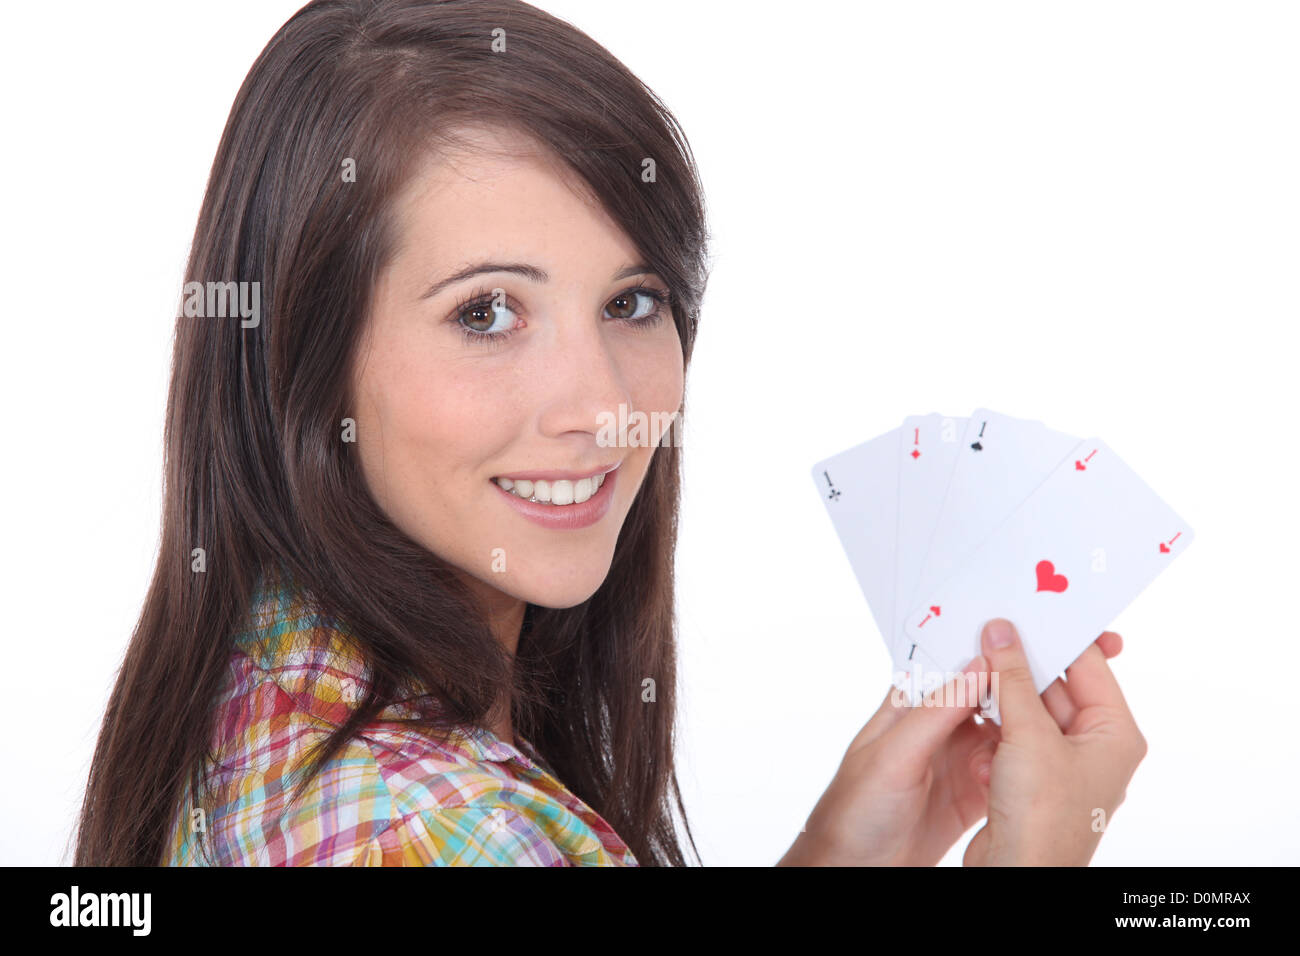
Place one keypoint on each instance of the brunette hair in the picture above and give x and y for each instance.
(256, 473)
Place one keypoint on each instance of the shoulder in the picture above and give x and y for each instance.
(362, 810)
(376, 805)
(390, 796)
(465, 835)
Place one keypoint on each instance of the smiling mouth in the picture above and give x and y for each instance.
(559, 493)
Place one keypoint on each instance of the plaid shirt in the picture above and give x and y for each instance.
(391, 797)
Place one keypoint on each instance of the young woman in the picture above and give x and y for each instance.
(414, 599)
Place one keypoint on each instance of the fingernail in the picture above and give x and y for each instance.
(976, 665)
(1000, 633)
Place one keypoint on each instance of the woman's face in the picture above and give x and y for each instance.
(493, 243)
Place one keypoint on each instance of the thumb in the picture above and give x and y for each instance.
(977, 851)
(1014, 691)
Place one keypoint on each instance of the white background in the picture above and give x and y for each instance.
(1087, 214)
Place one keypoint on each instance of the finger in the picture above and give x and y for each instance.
(940, 712)
(1091, 682)
(1059, 704)
(990, 735)
(1110, 643)
(1021, 708)
(981, 765)
(977, 850)
(970, 736)
(1057, 696)
(891, 711)
(972, 747)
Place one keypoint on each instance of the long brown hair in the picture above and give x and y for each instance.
(256, 473)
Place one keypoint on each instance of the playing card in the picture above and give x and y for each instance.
(859, 488)
(926, 457)
(916, 673)
(1061, 566)
(1000, 461)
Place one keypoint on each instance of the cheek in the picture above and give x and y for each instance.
(659, 379)
(426, 430)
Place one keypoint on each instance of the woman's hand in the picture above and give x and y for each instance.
(907, 787)
(1061, 766)
(916, 778)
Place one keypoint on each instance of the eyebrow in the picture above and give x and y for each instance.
(520, 269)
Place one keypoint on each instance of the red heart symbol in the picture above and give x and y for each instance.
(1048, 579)
(1079, 466)
(1164, 548)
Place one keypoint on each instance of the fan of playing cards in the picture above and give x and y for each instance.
(949, 522)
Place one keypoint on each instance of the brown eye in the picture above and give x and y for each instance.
(623, 306)
(636, 305)
(483, 318)
(479, 317)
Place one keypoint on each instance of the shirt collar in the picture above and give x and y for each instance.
(312, 661)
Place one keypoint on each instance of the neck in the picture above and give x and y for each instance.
(506, 615)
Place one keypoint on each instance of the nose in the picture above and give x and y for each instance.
(583, 383)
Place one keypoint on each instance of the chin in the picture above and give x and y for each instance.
(536, 585)
(552, 595)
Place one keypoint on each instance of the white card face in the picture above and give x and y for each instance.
(1061, 567)
(926, 456)
(860, 490)
(999, 464)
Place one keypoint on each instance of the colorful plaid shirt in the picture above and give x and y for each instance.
(391, 797)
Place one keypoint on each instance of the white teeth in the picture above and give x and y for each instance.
(561, 492)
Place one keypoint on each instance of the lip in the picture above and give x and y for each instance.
(564, 517)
